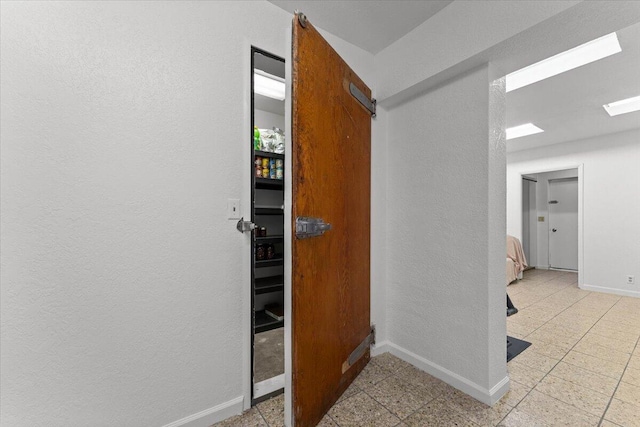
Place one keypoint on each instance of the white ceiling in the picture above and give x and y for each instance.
(568, 106)
(370, 25)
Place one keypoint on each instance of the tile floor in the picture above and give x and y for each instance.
(583, 369)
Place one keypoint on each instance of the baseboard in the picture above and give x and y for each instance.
(268, 386)
(212, 415)
(380, 348)
(621, 292)
(488, 397)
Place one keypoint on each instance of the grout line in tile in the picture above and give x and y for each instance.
(618, 385)
(595, 357)
(262, 416)
(567, 352)
(381, 404)
(331, 418)
(389, 410)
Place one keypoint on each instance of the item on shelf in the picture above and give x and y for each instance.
(272, 140)
(258, 161)
(274, 310)
(260, 252)
(279, 169)
(272, 168)
(265, 173)
(271, 251)
(265, 163)
(263, 231)
(257, 143)
(279, 147)
(259, 171)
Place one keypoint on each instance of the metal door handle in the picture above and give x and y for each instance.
(244, 226)
(554, 229)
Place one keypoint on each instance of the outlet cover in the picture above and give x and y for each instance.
(540, 219)
(233, 209)
(631, 280)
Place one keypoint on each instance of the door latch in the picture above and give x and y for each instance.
(310, 227)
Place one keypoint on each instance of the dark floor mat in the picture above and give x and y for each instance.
(515, 347)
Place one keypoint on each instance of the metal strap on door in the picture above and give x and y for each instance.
(369, 104)
(360, 350)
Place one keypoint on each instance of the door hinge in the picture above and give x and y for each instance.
(369, 104)
(360, 349)
(302, 19)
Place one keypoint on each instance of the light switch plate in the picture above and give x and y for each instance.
(631, 280)
(233, 209)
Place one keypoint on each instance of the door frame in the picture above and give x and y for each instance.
(246, 192)
(559, 167)
(288, 235)
(271, 386)
(527, 247)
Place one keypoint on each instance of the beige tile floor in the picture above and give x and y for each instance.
(583, 369)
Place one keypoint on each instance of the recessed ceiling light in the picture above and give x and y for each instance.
(522, 130)
(268, 85)
(565, 61)
(625, 106)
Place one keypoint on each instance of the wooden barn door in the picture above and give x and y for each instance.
(331, 134)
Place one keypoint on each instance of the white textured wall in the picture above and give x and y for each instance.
(445, 215)
(123, 282)
(611, 203)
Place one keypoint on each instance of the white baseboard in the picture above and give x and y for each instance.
(566, 270)
(621, 292)
(379, 348)
(488, 397)
(212, 415)
(268, 386)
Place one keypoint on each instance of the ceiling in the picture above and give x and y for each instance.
(370, 25)
(568, 106)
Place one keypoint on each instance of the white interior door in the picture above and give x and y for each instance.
(563, 223)
(526, 232)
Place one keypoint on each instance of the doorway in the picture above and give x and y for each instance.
(311, 274)
(267, 214)
(543, 211)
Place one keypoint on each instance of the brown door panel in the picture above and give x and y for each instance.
(331, 134)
